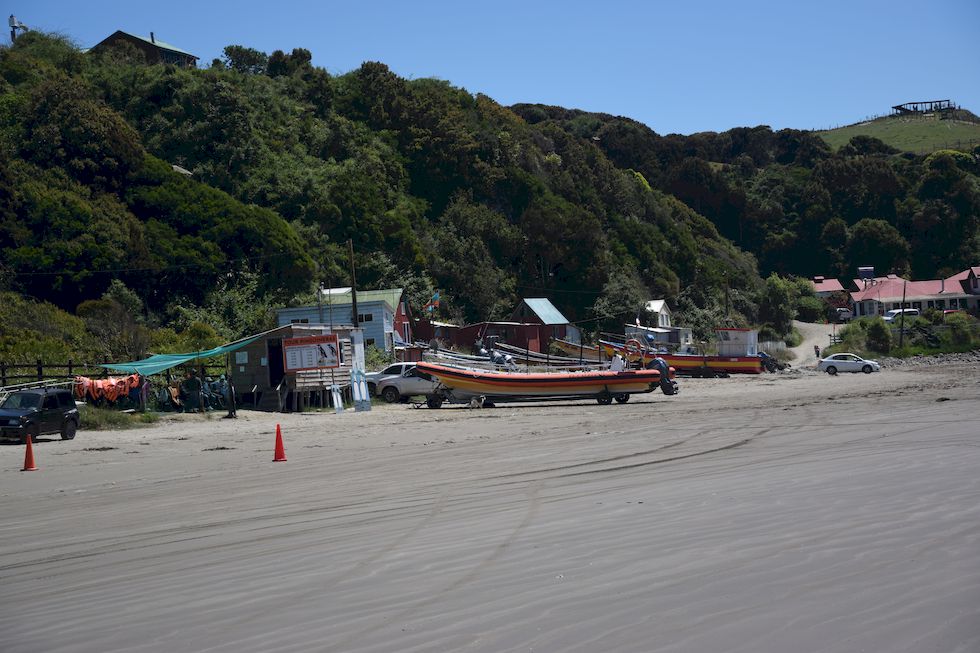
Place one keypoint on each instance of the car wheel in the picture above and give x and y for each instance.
(831, 370)
(68, 429)
(622, 399)
(390, 394)
(866, 369)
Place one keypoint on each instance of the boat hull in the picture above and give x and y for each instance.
(585, 352)
(467, 382)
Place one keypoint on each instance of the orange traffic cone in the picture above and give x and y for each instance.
(29, 465)
(280, 450)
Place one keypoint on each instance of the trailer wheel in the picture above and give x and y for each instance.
(622, 399)
(433, 401)
(604, 399)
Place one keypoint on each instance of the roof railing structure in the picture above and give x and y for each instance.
(32, 385)
(942, 107)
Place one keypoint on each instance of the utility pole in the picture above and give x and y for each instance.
(901, 320)
(353, 281)
(14, 26)
(319, 301)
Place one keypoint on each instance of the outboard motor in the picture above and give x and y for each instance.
(505, 361)
(667, 385)
(768, 362)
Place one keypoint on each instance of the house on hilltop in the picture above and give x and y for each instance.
(154, 50)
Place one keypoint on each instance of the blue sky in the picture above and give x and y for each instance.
(682, 66)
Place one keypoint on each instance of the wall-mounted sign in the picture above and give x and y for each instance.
(310, 353)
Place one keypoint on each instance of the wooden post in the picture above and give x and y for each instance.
(200, 398)
(353, 283)
(40, 370)
(3, 373)
(70, 367)
(901, 320)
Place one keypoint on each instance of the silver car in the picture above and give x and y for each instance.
(847, 363)
(396, 369)
(405, 385)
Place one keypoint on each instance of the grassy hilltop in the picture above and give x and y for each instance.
(919, 134)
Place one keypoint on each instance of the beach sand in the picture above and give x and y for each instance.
(789, 512)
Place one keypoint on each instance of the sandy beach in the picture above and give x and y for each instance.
(789, 512)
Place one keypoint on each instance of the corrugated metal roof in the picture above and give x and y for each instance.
(822, 284)
(343, 296)
(545, 310)
(160, 44)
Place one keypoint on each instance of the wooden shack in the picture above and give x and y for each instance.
(258, 371)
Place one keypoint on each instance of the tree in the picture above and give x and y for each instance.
(623, 298)
(878, 336)
(834, 239)
(777, 306)
(64, 127)
(875, 242)
(247, 61)
(115, 328)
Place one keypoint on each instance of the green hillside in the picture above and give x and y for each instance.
(910, 134)
(436, 188)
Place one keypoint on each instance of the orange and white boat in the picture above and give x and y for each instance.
(739, 355)
(603, 385)
(692, 364)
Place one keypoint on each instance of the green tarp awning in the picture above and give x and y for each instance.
(159, 362)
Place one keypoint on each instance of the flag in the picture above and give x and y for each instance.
(433, 303)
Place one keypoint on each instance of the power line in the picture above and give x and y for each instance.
(178, 266)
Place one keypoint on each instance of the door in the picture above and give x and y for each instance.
(50, 417)
(277, 369)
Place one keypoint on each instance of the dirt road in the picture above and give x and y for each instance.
(789, 512)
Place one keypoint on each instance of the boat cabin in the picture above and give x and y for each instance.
(737, 342)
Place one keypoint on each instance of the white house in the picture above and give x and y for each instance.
(660, 311)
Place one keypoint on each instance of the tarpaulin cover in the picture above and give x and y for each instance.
(159, 362)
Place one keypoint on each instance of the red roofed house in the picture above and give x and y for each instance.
(823, 287)
(875, 296)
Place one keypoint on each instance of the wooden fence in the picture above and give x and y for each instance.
(12, 373)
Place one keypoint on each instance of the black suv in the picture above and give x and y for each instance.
(38, 411)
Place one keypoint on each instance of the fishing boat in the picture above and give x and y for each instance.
(578, 350)
(604, 386)
(689, 362)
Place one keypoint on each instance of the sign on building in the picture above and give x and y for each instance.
(310, 353)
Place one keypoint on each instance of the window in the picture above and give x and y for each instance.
(365, 317)
(50, 401)
(65, 399)
(368, 342)
(303, 320)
